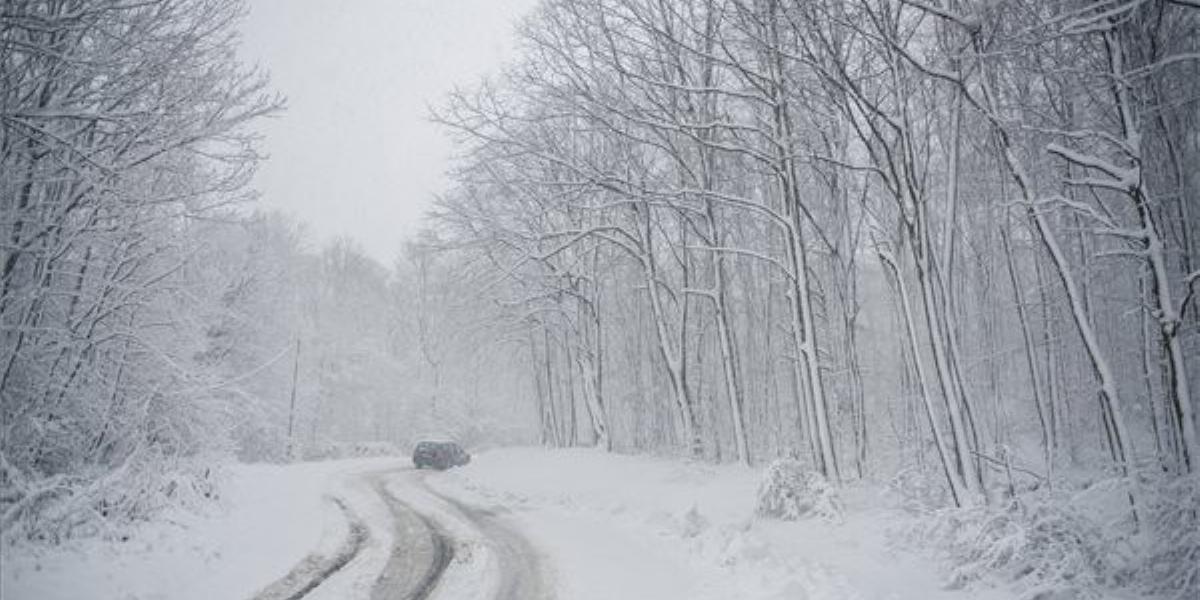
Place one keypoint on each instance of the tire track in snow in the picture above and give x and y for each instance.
(421, 551)
(316, 568)
(521, 575)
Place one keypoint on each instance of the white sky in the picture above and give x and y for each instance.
(355, 154)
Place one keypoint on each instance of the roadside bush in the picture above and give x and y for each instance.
(919, 491)
(1047, 551)
(790, 492)
(1138, 534)
(1172, 560)
(107, 503)
(342, 450)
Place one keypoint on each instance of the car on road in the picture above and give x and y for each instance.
(439, 455)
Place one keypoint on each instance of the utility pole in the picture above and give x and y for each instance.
(292, 408)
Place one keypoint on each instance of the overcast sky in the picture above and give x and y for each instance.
(355, 154)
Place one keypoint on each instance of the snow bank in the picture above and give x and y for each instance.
(637, 527)
(270, 518)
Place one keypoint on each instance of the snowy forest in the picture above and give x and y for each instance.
(949, 242)
(871, 234)
(153, 323)
(948, 245)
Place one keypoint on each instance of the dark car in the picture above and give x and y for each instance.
(439, 455)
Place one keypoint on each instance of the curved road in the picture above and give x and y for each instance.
(423, 549)
(521, 575)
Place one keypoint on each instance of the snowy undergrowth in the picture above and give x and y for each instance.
(102, 502)
(1045, 551)
(1075, 543)
(672, 529)
(329, 450)
(268, 519)
(790, 492)
(1172, 563)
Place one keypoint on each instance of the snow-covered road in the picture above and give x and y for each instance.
(347, 530)
(520, 572)
(437, 547)
(421, 550)
(518, 524)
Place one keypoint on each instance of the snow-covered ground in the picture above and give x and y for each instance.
(606, 527)
(269, 519)
(645, 528)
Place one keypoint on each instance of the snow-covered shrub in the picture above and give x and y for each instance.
(1171, 565)
(1078, 543)
(368, 449)
(693, 523)
(1046, 551)
(920, 491)
(107, 503)
(789, 492)
(330, 450)
(1046, 545)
